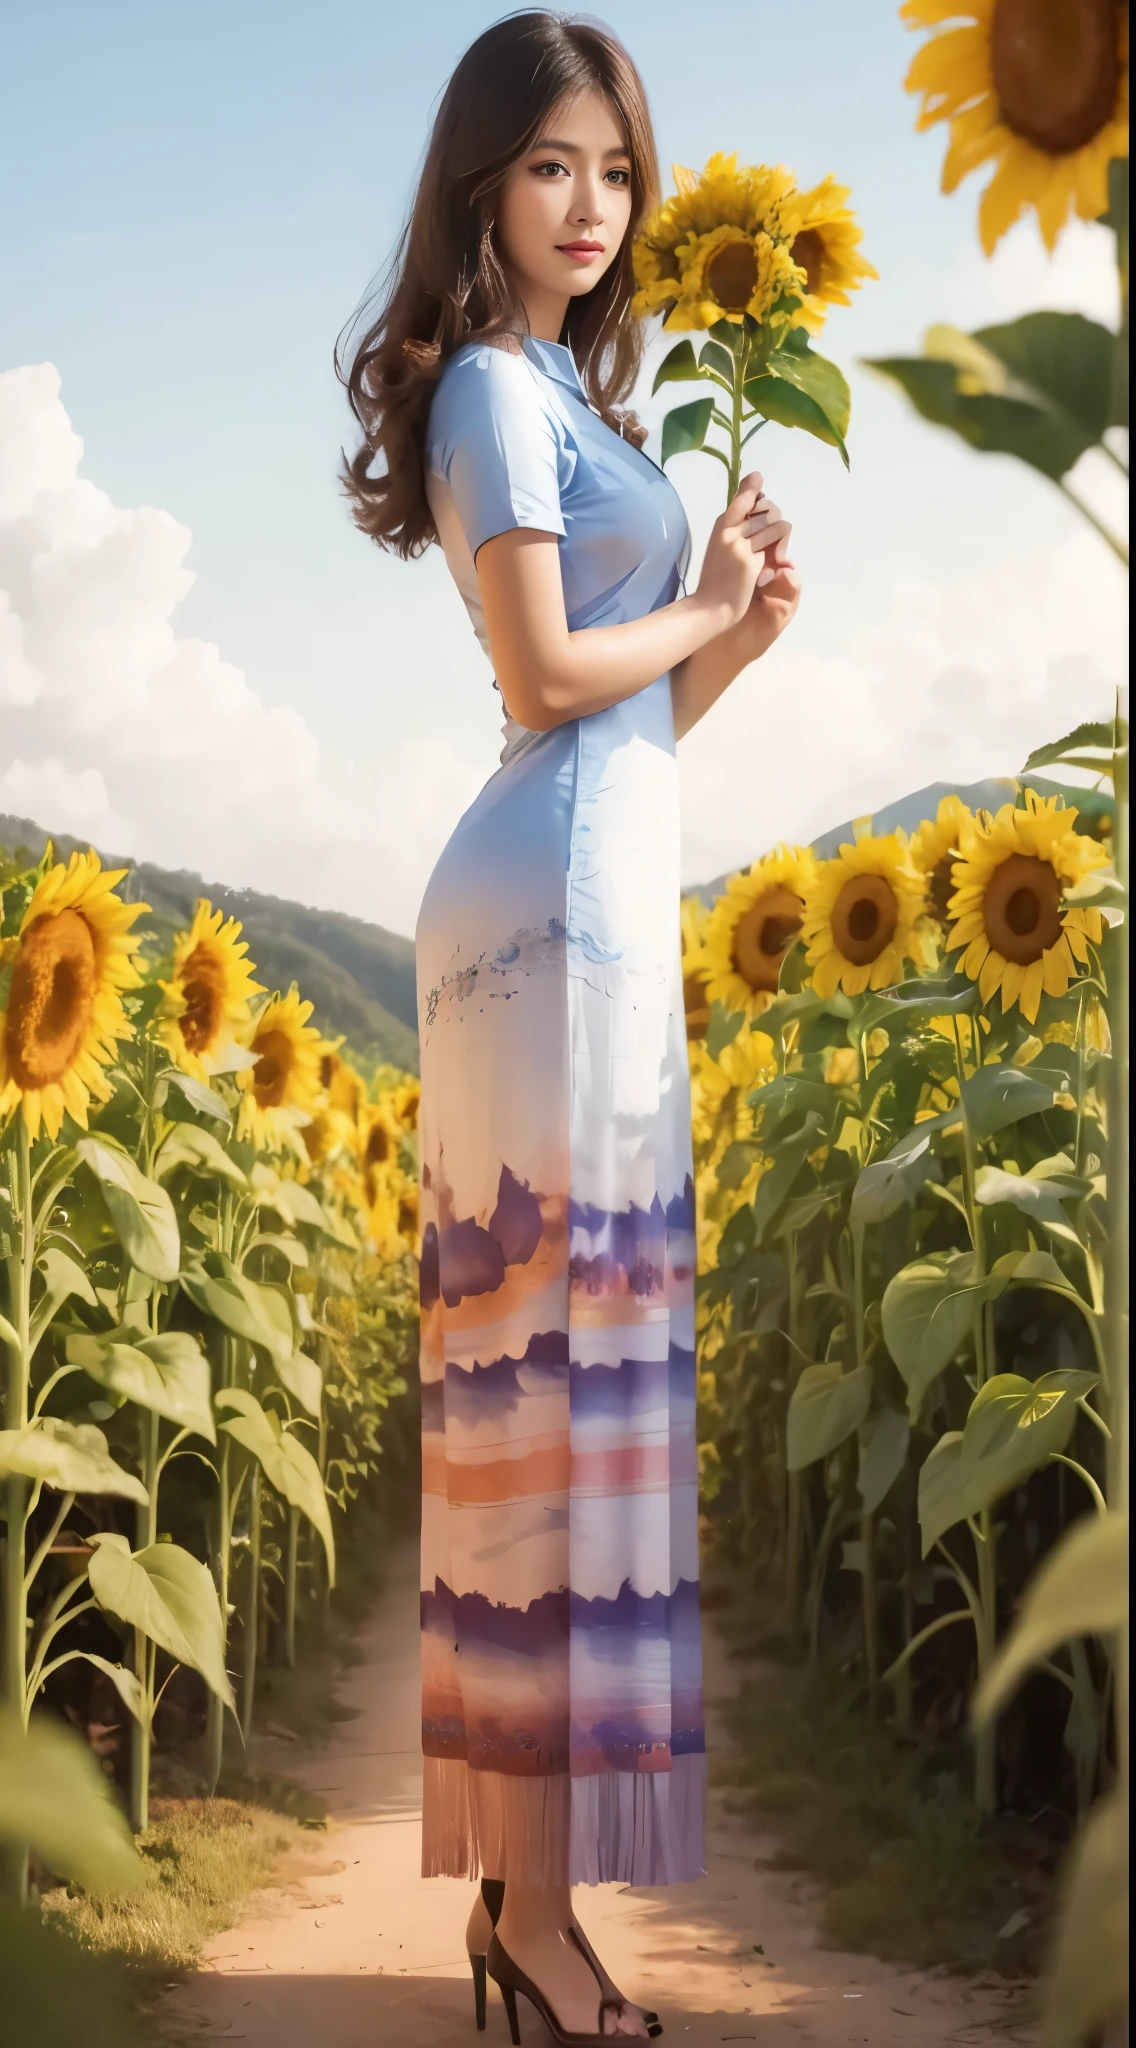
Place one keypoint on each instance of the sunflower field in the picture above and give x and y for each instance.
(208, 1223)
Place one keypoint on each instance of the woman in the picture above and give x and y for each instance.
(562, 1723)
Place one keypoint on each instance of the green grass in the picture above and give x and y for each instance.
(908, 1870)
(205, 1856)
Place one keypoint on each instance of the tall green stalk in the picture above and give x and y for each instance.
(251, 1608)
(146, 1528)
(16, 1331)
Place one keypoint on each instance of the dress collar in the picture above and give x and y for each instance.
(555, 360)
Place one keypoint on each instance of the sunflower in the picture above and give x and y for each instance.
(1008, 919)
(693, 916)
(751, 925)
(1039, 88)
(69, 964)
(282, 1089)
(934, 847)
(406, 1100)
(860, 913)
(379, 1143)
(825, 244)
(718, 249)
(391, 1211)
(206, 1010)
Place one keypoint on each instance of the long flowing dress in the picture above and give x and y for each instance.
(562, 1714)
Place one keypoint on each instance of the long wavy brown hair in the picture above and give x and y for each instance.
(446, 284)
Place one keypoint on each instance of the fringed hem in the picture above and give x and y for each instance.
(618, 1827)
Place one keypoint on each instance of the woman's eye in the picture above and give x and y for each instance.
(549, 170)
(620, 177)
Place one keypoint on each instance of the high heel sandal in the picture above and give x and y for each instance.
(493, 1898)
(510, 1979)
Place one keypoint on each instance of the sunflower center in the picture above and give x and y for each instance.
(203, 990)
(1056, 69)
(51, 997)
(807, 253)
(378, 1146)
(1021, 908)
(732, 275)
(864, 917)
(762, 934)
(273, 1070)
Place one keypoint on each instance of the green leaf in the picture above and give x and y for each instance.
(827, 1406)
(1062, 362)
(54, 1799)
(1014, 1426)
(1088, 1973)
(286, 1464)
(722, 1029)
(63, 1277)
(1099, 735)
(303, 1379)
(202, 1100)
(775, 398)
(169, 1374)
(72, 1457)
(928, 1312)
(1080, 1589)
(712, 356)
(826, 385)
(992, 424)
(189, 1145)
(996, 1097)
(686, 428)
(777, 1181)
(141, 1211)
(905, 1013)
(737, 1161)
(238, 1304)
(170, 1596)
(886, 1184)
(884, 1439)
(676, 368)
(1038, 1197)
(791, 1095)
(297, 1205)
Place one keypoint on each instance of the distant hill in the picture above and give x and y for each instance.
(1093, 806)
(359, 977)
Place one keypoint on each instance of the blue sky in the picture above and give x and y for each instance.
(200, 193)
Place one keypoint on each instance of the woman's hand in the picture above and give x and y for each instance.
(771, 608)
(742, 542)
(775, 593)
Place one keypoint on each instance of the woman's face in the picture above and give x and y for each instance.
(564, 209)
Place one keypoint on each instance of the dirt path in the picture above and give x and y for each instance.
(372, 1954)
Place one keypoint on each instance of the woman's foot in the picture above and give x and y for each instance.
(608, 1987)
(535, 1930)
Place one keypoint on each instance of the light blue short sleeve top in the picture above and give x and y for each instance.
(512, 441)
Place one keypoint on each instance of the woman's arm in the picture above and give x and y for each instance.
(548, 675)
(700, 680)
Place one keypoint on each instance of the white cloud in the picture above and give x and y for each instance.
(117, 727)
(954, 683)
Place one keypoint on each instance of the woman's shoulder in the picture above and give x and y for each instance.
(483, 377)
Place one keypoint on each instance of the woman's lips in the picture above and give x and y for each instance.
(581, 252)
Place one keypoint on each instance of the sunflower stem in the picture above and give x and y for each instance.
(19, 1265)
(1113, 540)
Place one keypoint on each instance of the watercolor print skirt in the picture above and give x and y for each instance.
(562, 1711)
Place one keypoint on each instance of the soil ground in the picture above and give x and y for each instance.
(362, 1951)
